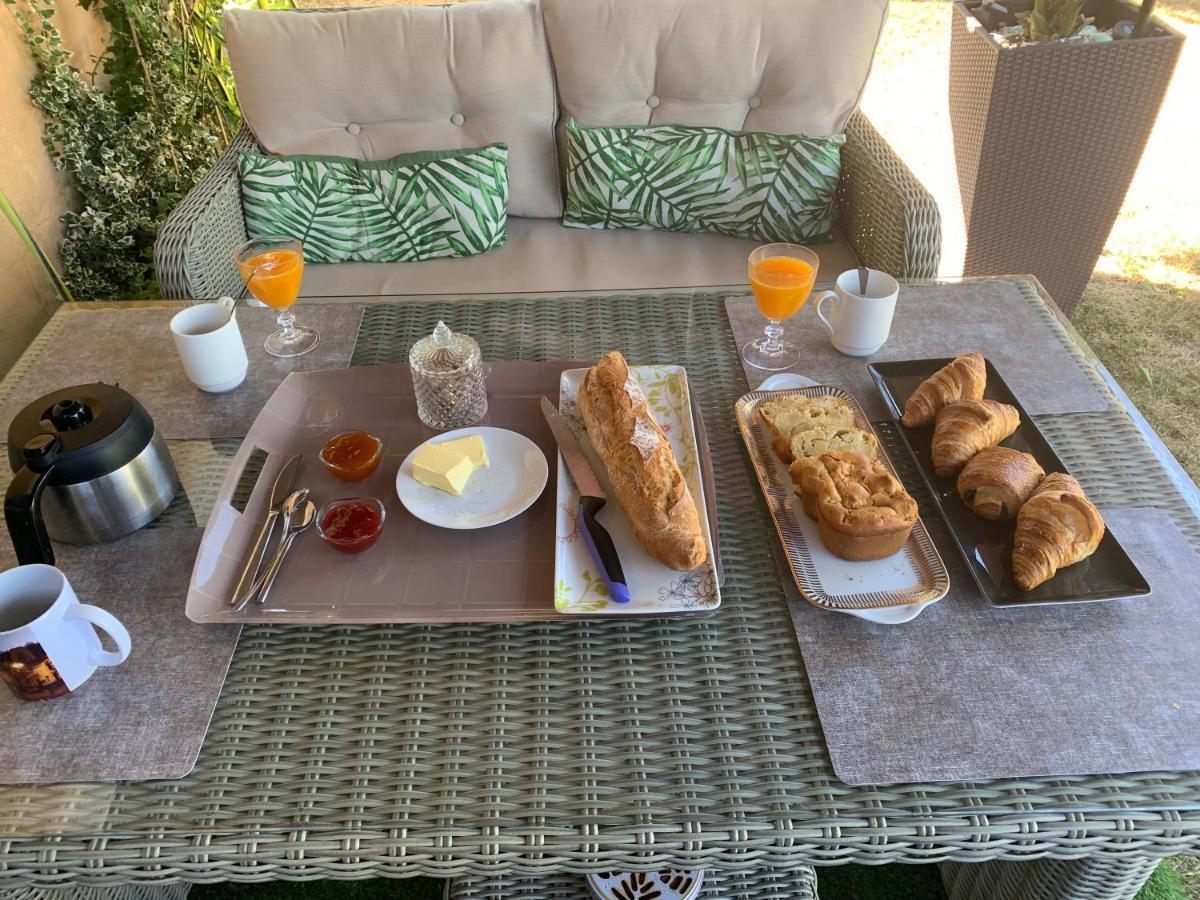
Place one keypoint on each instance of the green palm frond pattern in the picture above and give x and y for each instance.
(409, 208)
(769, 187)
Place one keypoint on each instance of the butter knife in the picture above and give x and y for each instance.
(591, 500)
(258, 550)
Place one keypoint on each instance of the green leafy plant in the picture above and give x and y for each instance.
(1053, 20)
(135, 145)
(35, 249)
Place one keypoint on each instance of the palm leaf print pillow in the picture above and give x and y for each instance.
(409, 208)
(769, 187)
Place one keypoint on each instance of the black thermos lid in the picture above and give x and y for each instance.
(99, 426)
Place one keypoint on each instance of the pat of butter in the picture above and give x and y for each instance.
(446, 469)
(471, 446)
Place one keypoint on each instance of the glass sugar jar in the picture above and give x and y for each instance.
(448, 379)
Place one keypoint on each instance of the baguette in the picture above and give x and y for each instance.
(641, 465)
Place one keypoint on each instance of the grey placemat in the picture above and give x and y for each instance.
(937, 320)
(133, 348)
(966, 691)
(147, 717)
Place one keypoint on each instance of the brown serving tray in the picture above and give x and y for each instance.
(417, 572)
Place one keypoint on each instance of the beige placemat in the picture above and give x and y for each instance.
(966, 691)
(133, 348)
(147, 717)
(939, 320)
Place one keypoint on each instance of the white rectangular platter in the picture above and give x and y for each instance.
(914, 575)
(656, 589)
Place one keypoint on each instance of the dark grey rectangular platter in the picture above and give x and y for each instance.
(1108, 574)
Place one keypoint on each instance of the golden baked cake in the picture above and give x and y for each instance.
(790, 416)
(822, 439)
(862, 511)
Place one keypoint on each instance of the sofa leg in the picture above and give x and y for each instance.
(1047, 879)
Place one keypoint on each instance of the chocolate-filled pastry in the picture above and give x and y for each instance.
(997, 481)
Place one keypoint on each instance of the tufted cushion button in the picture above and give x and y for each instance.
(652, 101)
(754, 102)
(456, 119)
(353, 128)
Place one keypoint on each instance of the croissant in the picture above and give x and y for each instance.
(1058, 526)
(962, 379)
(997, 481)
(965, 427)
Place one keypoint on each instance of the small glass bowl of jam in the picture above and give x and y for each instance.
(352, 455)
(352, 525)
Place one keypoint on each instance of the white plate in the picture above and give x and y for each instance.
(785, 380)
(670, 884)
(656, 590)
(889, 615)
(515, 477)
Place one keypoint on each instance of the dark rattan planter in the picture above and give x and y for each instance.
(1047, 139)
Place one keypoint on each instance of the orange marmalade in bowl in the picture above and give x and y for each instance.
(352, 455)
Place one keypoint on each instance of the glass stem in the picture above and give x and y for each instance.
(773, 332)
(287, 322)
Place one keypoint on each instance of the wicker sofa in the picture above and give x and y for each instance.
(411, 78)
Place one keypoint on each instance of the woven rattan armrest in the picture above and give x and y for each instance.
(193, 256)
(888, 216)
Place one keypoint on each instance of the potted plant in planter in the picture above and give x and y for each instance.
(1051, 103)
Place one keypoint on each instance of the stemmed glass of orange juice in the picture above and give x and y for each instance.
(781, 276)
(272, 268)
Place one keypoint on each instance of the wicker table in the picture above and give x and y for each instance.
(351, 752)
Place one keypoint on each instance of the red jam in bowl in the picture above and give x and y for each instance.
(351, 526)
(352, 455)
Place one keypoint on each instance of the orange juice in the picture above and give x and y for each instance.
(781, 284)
(274, 276)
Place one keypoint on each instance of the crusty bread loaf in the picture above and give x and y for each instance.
(641, 465)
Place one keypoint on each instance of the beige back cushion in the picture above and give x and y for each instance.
(783, 66)
(372, 83)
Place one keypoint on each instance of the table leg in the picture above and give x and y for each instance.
(175, 891)
(1047, 879)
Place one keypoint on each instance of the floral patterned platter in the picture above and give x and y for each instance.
(656, 589)
(669, 884)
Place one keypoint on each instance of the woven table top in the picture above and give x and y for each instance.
(441, 750)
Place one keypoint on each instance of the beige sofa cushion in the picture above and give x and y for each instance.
(374, 83)
(543, 255)
(784, 66)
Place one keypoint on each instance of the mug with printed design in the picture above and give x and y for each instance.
(48, 641)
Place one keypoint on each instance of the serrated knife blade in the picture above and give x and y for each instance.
(591, 500)
(572, 454)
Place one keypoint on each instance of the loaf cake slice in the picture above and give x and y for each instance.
(788, 417)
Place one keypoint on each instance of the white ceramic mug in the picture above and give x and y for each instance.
(859, 323)
(48, 641)
(210, 344)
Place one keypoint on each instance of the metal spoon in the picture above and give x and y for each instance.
(300, 520)
(288, 511)
(863, 272)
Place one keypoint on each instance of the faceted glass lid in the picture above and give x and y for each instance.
(443, 352)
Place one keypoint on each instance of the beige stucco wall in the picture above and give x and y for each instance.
(28, 178)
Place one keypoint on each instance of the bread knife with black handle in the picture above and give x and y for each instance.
(591, 500)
